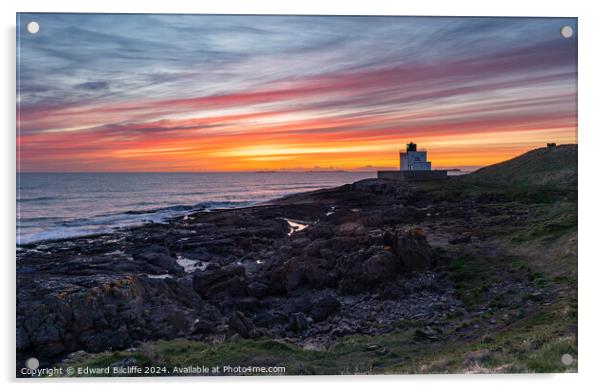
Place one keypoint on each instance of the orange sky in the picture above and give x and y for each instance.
(269, 105)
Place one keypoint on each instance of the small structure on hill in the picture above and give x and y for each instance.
(413, 166)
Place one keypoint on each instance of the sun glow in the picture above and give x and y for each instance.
(470, 101)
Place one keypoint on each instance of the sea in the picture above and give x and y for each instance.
(65, 205)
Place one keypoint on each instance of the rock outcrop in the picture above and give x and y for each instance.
(241, 271)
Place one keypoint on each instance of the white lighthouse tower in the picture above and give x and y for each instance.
(413, 160)
(413, 166)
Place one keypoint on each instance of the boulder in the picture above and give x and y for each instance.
(246, 304)
(108, 340)
(368, 269)
(297, 272)
(315, 248)
(300, 242)
(320, 231)
(270, 319)
(325, 307)
(240, 324)
(380, 266)
(298, 322)
(257, 289)
(159, 256)
(411, 248)
(226, 281)
(203, 326)
(350, 229)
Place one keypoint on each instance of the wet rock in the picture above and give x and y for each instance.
(159, 256)
(200, 254)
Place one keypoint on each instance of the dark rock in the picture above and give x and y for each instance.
(240, 324)
(47, 333)
(277, 331)
(314, 248)
(466, 238)
(299, 271)
(325, 307)
(298, 322)
(411, 248)
(94, 293)
(350, 229)
(258, 332)
(301, 304)
(320, 231)
(159, 256)
(22, 341)
(226, 281)
(108, 340)
(202, 326)
(270, 319)
(257, 289)
(300, 242)
(246, 304)
(50, 349)
(199, 254)
(368, 269)
(487, 198)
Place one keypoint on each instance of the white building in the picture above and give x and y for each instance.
(413, 160)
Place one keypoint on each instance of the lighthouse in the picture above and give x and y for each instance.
(413, 159)
(413, 166)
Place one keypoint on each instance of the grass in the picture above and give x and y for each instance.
(541, 166)
(458, 188)
(534, 344)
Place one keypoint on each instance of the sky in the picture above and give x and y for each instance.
(105, 92)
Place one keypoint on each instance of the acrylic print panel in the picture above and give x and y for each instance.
(285, 195)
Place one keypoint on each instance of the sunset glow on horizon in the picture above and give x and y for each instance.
(103, 93)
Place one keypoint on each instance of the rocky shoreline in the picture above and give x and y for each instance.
(305, 269)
